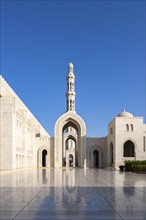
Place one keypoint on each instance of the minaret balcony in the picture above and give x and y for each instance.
(70, 93)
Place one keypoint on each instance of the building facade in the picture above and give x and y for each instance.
(25, 143)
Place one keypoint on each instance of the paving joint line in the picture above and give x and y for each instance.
(28, 203)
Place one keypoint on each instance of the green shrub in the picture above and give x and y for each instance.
(138, 168)
(130, 163)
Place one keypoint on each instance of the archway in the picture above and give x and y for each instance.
(44, 154)
(96, 158)
(70, 143)
(69, 147)
(70, 160)
(43, 157)
(70, 125)
(111, 155)
(70, 138)
(129, 149)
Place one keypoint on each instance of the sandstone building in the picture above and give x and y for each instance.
(25, 143)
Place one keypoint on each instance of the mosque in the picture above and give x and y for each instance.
(24, 143)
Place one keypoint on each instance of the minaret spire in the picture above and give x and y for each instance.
(70, 94)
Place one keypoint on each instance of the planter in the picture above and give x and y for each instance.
(122, 168)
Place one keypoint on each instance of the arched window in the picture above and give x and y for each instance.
(127, 127)
(70, 86)
(129, 149)
(38, 135)
(131, 127)
(70, 104)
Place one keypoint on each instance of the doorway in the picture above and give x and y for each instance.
(96, 158)
(111, 155)
(70, 160)
(44, 155)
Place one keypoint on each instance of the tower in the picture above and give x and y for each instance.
(70, 94)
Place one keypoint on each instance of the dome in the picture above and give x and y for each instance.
(70, 70)
(70, 65)
(125, 114)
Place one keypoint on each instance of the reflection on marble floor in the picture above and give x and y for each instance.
(72, 194)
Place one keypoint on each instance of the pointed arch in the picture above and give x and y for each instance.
(127, 127)
(96, 156)
(132, 128)
(71, 119)
(128, 149)
(44, 154)
(70, 135)
(43, 157)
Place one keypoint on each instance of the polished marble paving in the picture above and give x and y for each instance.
(67, 194)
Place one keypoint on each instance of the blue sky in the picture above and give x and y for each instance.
(105, 40)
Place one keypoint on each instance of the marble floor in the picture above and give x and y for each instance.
(67, 194)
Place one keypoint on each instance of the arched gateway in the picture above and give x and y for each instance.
(70, 131)
(30, 145)
(77, 147)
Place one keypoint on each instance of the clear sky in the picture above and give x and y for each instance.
(105, 40)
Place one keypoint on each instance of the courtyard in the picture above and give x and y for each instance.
(68, 193)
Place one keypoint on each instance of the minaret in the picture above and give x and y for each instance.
(70, 94)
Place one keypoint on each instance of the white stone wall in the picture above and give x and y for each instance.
(52, 151)
(6, 133)
(120, 130)
(18, 129)
(22, 138)
(144, 140)
(77, 121)
(122, 135)
(110, 141)
(98, 144)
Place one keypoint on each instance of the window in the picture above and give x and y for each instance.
(70, 86)
(131, 127)
(127, 127)
(38, 135)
